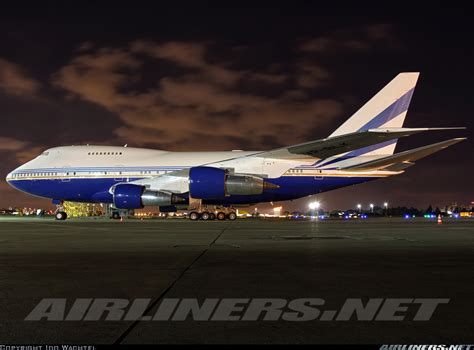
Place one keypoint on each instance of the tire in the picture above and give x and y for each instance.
(194, 216)
(205, 215)
(60, 215)
(232, 216)
(212, 216)
(221, 216)
(115, 215)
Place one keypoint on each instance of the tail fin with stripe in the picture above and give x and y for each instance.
(387, 108)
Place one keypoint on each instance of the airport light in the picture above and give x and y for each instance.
(359, 206)
(314, 206)
(385, 205)
(371, 207)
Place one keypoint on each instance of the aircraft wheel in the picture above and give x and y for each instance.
(220, 215)
(116, 215)
(205, 216)
(212, 216)
(232, 216)
(194, 216)
(60, 215)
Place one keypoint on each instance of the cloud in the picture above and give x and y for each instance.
(354, 40)
(14, 81)
(10, 144)
(203, 101)
(20, 151)
(188, 55)
(184, 53)
(311, 75)
(26, 154)
(266, 78)
(96, 77)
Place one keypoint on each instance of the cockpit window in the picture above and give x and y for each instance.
(45, 153)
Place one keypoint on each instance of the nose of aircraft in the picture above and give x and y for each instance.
(9, 176)
(18, 179)
(13, 177)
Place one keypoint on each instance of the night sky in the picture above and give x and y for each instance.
(222, 78)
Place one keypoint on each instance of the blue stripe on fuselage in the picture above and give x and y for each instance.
(96, 189)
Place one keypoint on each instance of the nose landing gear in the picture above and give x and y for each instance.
(60, 215)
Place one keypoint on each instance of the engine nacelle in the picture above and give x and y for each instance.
(129, 196)
(209, 182)
(206, 182)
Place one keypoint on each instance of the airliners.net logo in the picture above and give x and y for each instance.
(427, 347)
(235, 309)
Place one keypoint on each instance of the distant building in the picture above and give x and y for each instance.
(463, 210)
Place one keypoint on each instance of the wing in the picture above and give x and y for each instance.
(174, 182)
(402, 160)
(332, 146)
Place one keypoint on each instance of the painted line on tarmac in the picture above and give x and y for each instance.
(155, 302)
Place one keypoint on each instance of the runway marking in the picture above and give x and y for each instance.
(155, 302)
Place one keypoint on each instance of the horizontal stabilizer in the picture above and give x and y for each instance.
(403, 160)
(332, 146)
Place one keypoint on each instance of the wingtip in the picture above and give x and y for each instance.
(452, 128)
(445, 128)
(454, 141)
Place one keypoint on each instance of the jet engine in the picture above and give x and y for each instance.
(129, 196)
(208, 182)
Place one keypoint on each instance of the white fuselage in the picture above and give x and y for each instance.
(88, 173)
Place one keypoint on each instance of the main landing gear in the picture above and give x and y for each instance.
(60, 214)
(212, 214)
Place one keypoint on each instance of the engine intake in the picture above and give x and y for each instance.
(129, 196)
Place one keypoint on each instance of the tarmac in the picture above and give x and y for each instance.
(247, 258)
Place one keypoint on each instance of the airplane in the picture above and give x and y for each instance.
(212, 184)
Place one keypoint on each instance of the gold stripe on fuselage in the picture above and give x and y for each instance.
(294, 173)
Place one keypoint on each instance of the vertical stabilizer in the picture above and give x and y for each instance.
(387, 108)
